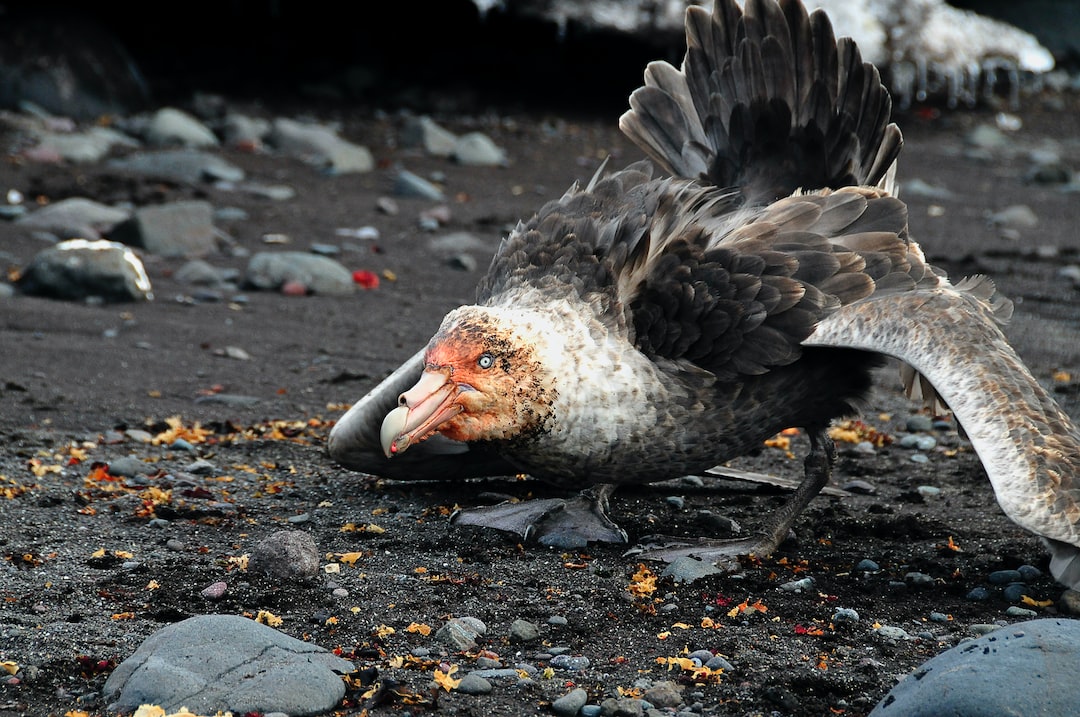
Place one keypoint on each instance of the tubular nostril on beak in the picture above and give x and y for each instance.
(402, 401)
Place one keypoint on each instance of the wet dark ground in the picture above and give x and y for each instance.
(72, 376)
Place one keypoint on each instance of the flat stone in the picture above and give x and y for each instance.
(176, 229)
(187, 166)
(216, 663)
(74, 218)
(1028, 668)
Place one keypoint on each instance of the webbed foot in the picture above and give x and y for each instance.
(562, 523)
(725, 554)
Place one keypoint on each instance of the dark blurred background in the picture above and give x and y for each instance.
(427, 55)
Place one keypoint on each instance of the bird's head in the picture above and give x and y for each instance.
(484, 379)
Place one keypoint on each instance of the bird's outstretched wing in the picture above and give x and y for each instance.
(1029, 447)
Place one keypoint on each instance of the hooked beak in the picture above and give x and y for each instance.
(423, 408)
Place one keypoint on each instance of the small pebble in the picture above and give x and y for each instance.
(859, 486)
(1014, 592)
(174, 545)
(928, 492)
(982, 628)
(938, 617)
(557, 620)
(1004, 577)
(919, 422)
(918, 579)
(675, 501)
(1028, 573)
(473, 684)
(572, 663)
(719, 663)
(978, 594)
(571, 703)
(892, 633)
(919, 458)
(845, 615)
(214, 591)
(1014, 611)
(523, 631)
(798, 585)
(867, 566)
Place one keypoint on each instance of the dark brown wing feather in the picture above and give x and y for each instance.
(742, 304)
(766, 101)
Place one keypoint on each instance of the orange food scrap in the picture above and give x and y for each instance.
(123, 616)
(746, 608)
(424, 630)
(9, 666)
(268, 618)
(642, 583)
(446, 680)
(1035, 603)
(177, 430)
(349, 558)
(384, 631)
(855, 431)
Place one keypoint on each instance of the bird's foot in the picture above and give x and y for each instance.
(558, 522)
(724, 554)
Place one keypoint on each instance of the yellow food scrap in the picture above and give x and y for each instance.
(268, 618)
(446, 680)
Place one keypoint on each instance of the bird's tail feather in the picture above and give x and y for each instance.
(768, 101)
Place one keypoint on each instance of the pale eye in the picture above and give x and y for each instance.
(485, 361)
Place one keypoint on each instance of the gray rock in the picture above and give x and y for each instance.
(215, 663)
(664, 694)
(458, 635)
(478, 150)
(78, 269)
(523, 631)
(320, 146)
(921, 188)
(457, 242)
(919, 422)
(186, 166)
(571, 703)
(170, 127)
(285, 554)
(687, 569)
(473, 684)
(622, 707)
(127, 466)
(1017, 217)
(84, 147)
(1028, 668)
(424, 132)
(988, 137)
(241, 130)
(177, 229)
(407, 184)
(74, 218)
(320, 274)
(199, 273)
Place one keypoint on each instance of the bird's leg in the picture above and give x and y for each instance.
(563, 523)
(817, 471)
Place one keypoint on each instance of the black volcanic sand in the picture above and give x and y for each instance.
(88, 574)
